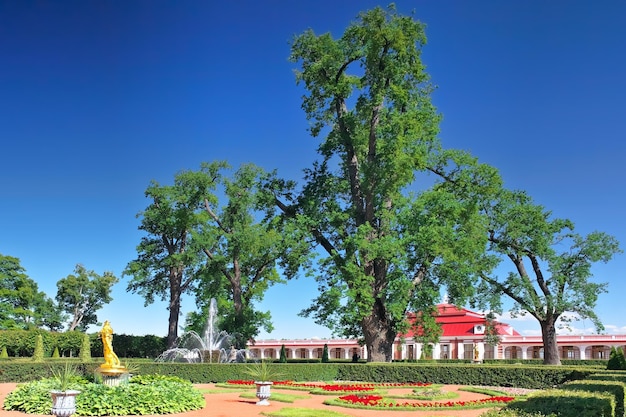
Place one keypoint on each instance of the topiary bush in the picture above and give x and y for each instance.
(85, 349)
(38, 352)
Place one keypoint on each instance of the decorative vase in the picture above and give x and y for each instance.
(263, 392)
(64, 402)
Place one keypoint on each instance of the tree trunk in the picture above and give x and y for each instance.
(174, 307)
(550, 347)
(379, 335)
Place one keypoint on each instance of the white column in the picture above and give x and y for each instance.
(437, 351)
(582, 350)
(418, 350)
(346, 353)
(310, 353)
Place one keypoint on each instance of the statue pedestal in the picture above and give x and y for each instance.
(113, 376)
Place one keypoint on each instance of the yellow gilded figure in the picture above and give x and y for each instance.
(110, 358)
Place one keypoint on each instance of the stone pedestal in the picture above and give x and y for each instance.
(113, 377)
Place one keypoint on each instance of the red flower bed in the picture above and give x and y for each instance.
(366, 386)
(376, 401)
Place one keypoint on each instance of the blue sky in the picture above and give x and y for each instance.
(98, 98)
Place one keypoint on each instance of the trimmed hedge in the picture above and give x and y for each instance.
(567, 404)
(615, 388)
(515, 376)
(505, 376)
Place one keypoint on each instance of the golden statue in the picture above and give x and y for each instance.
(111, 361)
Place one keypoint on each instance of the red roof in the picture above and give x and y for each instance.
(460, 322)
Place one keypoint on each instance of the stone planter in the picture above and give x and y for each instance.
(263, 392)
(64, 402)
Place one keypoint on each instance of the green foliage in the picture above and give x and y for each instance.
(82, 294)
(226, 251)
(302, 412)
(567, 404)
(551, 265)
(283, 355)
(167, 264)
(614, 388)
(325, 354)
(55, 353)
(21, 343)
(65, 377)
(617, 361)
(38, 353)
(162, 395)
(608, 376)
(4, 354)
(527, 376)
(85, 349)
(23, 306)
(386, 251)
(130, 346)
(243, 241)
(262, 371)
(514, 413)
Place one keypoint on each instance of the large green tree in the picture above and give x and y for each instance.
(387, 245)
(243, 243)
(22, 305)
(551, 265)
(167, 262)
(82, 294)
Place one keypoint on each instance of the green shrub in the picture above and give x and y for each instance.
(38, 351)
(615, 361)
(85, 349)
(4, 354)
(156, 395)
(608, 376)
(325, 354)
(567, 403)
(613, 387)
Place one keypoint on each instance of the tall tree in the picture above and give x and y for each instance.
(243, 244)
(167, 263)
(551, 265)
(22, 305)
(387, 245)
(82, 294)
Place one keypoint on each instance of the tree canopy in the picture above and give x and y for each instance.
(167, 263)
(22, 305)
(82, 294)
(390, 235)
(551, 265)
(216, 237)
(243, 242)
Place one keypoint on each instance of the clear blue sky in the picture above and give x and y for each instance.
(97, 98)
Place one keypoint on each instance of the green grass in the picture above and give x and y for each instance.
(278, 396)
(303, 412)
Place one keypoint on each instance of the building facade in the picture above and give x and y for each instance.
(463, 337)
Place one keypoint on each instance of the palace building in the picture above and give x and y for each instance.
(463, 337)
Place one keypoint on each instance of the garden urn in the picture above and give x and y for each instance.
(64, 402)
(263, 392)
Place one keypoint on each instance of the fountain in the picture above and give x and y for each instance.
(213, 345)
